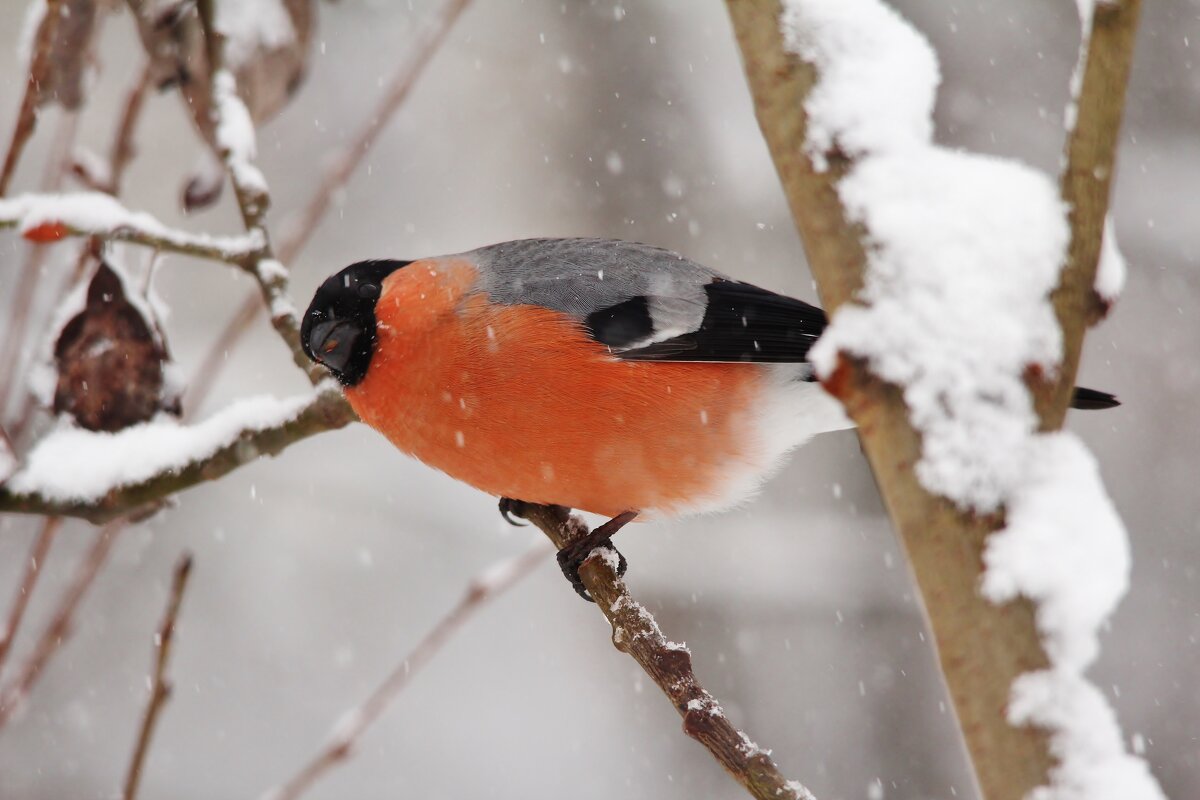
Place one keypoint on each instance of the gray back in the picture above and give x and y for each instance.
(581, 276)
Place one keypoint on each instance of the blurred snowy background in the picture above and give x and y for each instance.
(317, 571)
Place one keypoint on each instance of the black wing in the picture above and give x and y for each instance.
(741, 322)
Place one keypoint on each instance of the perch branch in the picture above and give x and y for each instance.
(33, 569)
(354, 723)
(160, 688)
(636, 633)
(1086, 184)
(328, 410)
(59, 628)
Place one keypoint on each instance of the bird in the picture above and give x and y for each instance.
(602, 375)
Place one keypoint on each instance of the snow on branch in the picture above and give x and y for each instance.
(236, 141)
(51, 217)
(99, 476)
(963, 253)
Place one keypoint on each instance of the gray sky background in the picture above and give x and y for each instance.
(318, 570)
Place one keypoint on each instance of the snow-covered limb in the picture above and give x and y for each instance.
(235, 137)
(237, 144)
(882, 214)
(50, 217)
(669, 665)
(99, 476)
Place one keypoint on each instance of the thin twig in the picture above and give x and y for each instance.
(160, 688)
(354, 723)
(1086, 185)
(435, 29)
(21, 304)
(39, 64)
(299, 228)
(121, 151)
(636, 633)
(33, 569)
(60, 626)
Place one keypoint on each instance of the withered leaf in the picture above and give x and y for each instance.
(110, 360)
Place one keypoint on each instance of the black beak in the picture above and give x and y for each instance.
(333, 342)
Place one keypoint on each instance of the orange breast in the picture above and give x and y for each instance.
(518, 401)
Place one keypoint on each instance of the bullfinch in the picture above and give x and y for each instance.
(596, 374)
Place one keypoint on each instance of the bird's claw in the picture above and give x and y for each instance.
(574, 553)
(509, 508)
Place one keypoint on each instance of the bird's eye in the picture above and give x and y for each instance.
(368, 290)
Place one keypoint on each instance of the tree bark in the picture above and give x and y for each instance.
(981, 647)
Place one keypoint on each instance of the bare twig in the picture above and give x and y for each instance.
(160, 688)
(18, 327)
(33, 569)
(354, 723)
(328, 410)
(39, 64)
(418, 55)
(121, 151)
(298, 229)
(206, 374)
(636, 633)
(59, 629)
(1086, 187)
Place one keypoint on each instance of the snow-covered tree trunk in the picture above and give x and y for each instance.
(938, 269)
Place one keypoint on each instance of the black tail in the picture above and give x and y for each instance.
(1091, 399)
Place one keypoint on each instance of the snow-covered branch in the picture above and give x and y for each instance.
(236, 143)
(46, 218)
(669, 664)
(100, 476)
(937, 268)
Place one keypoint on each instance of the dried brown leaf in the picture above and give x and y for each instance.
(110, 359)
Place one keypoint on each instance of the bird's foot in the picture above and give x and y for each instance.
(510, 508)
(574, 553)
